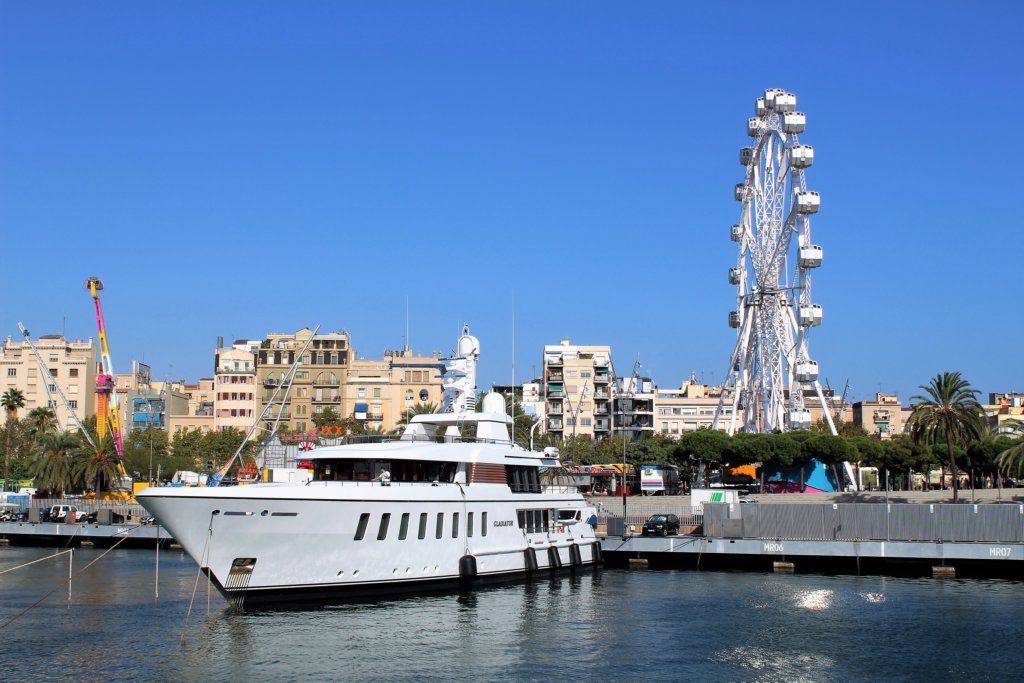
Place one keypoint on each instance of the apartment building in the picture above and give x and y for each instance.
(577, 390)
(70, 365)
(235, 403)
(378, 393)
(690, 407)
(633, 407)
(1002, 407)
(318, 382)
(882, 418)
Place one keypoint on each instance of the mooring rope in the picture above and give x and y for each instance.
(204, 556)
(68, 580)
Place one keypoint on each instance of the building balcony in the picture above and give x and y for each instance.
(601, 395)
(555, 409)
(601, 426)
(601, 379)
(554, 376)
(272, 382)
(327, 399)
(556, 394)
(273, 416)
(554, 425)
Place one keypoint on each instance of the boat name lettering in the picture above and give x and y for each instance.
(773, 548)
(1000, 552)
(503, 522)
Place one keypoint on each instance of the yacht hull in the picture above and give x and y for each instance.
(284, 543)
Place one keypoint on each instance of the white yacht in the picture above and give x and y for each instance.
(451, 502)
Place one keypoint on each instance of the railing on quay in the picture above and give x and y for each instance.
(935, 522)
(617, 525)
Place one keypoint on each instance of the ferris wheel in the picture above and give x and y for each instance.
(771, 370)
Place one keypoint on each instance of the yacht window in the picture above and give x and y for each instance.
(385, 519)
(440, 524)
(469, 524)
(522, 479)
(483, 523)
(403, 530)
(423, 525)
(364, 519)
(455, 525)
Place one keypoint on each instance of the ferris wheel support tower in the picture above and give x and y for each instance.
(771, 368)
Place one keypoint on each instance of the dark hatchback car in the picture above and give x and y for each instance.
(661, 525)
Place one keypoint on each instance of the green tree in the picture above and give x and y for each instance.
(829, 450)
(12, 400)
(143, 446)
(948, 411)
(1010, 460)
(187, 448)
(52, 469)
(97, 466)
(221, 446)
(41, 419)
(327, 418)
(411, 411)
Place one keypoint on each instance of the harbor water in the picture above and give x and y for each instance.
(596, 625)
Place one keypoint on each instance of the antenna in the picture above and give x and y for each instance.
(513, 365)
(408, 342)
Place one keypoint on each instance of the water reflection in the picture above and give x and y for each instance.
(611, 624)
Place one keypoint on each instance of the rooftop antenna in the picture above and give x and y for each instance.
(408, 342)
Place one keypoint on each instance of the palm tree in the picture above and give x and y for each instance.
(52, 468)
(12, 400)
(948, 412)
(97, 465)
(42, 419)
(1011, 461)
(417, 409)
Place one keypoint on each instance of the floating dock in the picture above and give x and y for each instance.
(936, 540)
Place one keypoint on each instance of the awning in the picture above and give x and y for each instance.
(362, 407)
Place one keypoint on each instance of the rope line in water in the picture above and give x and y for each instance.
(66, 581)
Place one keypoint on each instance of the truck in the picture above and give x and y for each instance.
(659, 480)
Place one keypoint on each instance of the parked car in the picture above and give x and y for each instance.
(59, 513)
(661, 525)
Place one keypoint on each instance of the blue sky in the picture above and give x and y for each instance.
(234, 169)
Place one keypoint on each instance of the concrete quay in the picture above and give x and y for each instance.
(100, 535)
(649, 505)
(914, 558)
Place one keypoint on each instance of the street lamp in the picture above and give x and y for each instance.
(151, 456)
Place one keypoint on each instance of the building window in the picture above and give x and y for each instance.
(53, 372)
(73, 372)
(53, 359)
(403, 529)
(364, 519)
(74, 404)
(376, 392)
(423, 525)
(361, 392)
(408, 393)
(12, 372)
